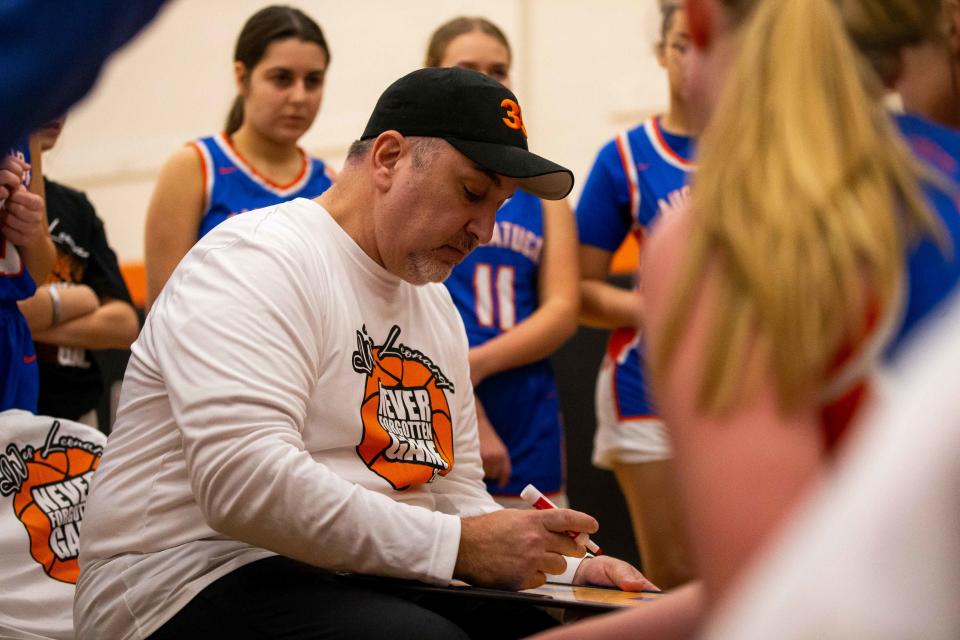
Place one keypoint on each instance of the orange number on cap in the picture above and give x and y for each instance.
(514, 118)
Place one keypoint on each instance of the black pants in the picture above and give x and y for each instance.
(281, 598)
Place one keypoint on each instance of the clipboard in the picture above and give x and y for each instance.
(568, 596)
(549, 595)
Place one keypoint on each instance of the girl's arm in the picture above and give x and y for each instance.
(54, 304)
(604, 306)
(112, 325)
(493, 452)
(173, 218)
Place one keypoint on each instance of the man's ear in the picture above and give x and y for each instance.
(387, 150)
(699, 22)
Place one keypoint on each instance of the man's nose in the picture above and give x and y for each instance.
(481, 225)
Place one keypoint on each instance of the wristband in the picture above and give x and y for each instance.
(55, 304)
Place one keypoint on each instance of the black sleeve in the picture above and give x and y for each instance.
(103, 271)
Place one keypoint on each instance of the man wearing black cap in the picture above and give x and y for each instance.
(299, 402)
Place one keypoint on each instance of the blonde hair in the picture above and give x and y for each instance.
(804, 198)
(448, 31)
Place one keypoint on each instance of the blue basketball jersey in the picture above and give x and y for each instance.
(932, 272)
(495, 288)
(19, 373)
(639, 175)
(635, 176)
(231, 185)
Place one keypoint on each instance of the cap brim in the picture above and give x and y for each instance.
(536, 175)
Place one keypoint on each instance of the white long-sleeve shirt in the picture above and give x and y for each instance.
(287, 395)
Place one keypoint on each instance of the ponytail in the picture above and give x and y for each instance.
(804, 199)
(235, 116)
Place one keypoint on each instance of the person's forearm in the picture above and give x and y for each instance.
(54, 304)
(37, 310)
(39, 257)
(606, 306)
(542, 333)
(114, 325)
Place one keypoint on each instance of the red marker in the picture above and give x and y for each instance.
(532, 496)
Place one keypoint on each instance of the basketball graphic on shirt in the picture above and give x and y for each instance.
(52, 493)
(407, 428)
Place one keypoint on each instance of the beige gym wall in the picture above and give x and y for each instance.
(583, 70)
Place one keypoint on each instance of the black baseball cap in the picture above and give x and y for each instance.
(477, 115)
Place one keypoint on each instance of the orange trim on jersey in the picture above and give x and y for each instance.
(651, 418)
(657, 131)
(205, 171)
(276, 185)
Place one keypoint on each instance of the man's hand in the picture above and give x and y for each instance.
(513, 549)
(493, 453)
(604, 571)
(24, 218)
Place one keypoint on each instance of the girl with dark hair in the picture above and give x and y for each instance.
(280, 62)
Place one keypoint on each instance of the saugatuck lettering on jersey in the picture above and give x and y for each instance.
(509, 235)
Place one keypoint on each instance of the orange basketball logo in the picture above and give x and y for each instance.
(407, 429)
(49, 488)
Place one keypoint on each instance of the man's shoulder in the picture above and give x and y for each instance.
(286, 225)
(280, 250)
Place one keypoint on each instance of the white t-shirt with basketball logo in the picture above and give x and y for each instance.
(287, 395)
(46, 465)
